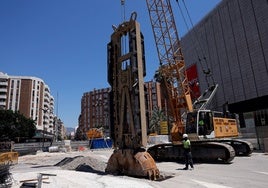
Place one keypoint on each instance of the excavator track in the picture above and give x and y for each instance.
(241, 147)
(201, 151)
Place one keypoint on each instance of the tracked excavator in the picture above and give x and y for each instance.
(126, 69)
(211, 133)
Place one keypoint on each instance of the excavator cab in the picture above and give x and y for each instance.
(211, 124)
(200, 123)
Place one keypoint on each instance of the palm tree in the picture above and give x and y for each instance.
(157, 116)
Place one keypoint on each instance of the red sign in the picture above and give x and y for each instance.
(192, 75)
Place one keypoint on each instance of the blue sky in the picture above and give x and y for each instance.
(64, 43)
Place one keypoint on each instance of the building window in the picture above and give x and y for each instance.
(242, 120)
(261, 118)
(12, 84)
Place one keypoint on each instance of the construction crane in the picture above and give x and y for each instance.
(175, 88)
(171, 73)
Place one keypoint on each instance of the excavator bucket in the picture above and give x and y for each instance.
(131, 163)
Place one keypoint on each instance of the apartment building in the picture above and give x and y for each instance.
(30, 96)
(59, 129)
(153, 97)
(3, 90)
(95, 109)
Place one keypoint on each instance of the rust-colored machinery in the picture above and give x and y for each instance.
(7, 155)
(126, 69)
(171, 73)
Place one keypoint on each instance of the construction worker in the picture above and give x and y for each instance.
(201, 127)
(187, 152)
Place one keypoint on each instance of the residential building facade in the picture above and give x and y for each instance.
(153, 97)
(59, 129)
(95, 109)
(29, 96)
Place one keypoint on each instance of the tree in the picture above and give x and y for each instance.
(15, 126)
(157, 116)
(79, 135)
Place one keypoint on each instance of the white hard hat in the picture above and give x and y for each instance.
(184, 136)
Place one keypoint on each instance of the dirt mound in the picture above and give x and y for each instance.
(81, 163)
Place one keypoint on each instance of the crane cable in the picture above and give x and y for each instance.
(207, 72)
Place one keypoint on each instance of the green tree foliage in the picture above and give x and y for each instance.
(157, 116)
(14, 126)
(79, 135)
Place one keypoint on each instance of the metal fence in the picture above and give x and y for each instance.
(32, 148)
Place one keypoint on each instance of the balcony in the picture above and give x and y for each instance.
(3, 84)
(3, 96)
(4, 90)
(2, 103)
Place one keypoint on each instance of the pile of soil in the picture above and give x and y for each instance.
(83, 163)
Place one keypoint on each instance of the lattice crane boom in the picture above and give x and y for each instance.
(171, 72)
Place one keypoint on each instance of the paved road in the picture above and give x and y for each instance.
(242, 172)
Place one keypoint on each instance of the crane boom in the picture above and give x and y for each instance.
(175, 88)
(171, 73)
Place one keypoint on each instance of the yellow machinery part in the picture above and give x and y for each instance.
(225, 127)
(127, 162)
(94, 133)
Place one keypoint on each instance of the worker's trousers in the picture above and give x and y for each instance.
(188, 159)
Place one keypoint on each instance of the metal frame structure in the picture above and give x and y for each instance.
(172, 72)
(126, 69)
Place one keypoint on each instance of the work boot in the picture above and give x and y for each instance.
(186, 168)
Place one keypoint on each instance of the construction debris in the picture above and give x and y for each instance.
(37, 182)
(5, 176)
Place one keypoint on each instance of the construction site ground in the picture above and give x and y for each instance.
(86, 169)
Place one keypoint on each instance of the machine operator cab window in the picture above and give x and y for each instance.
(200, 123)
(191, 125)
